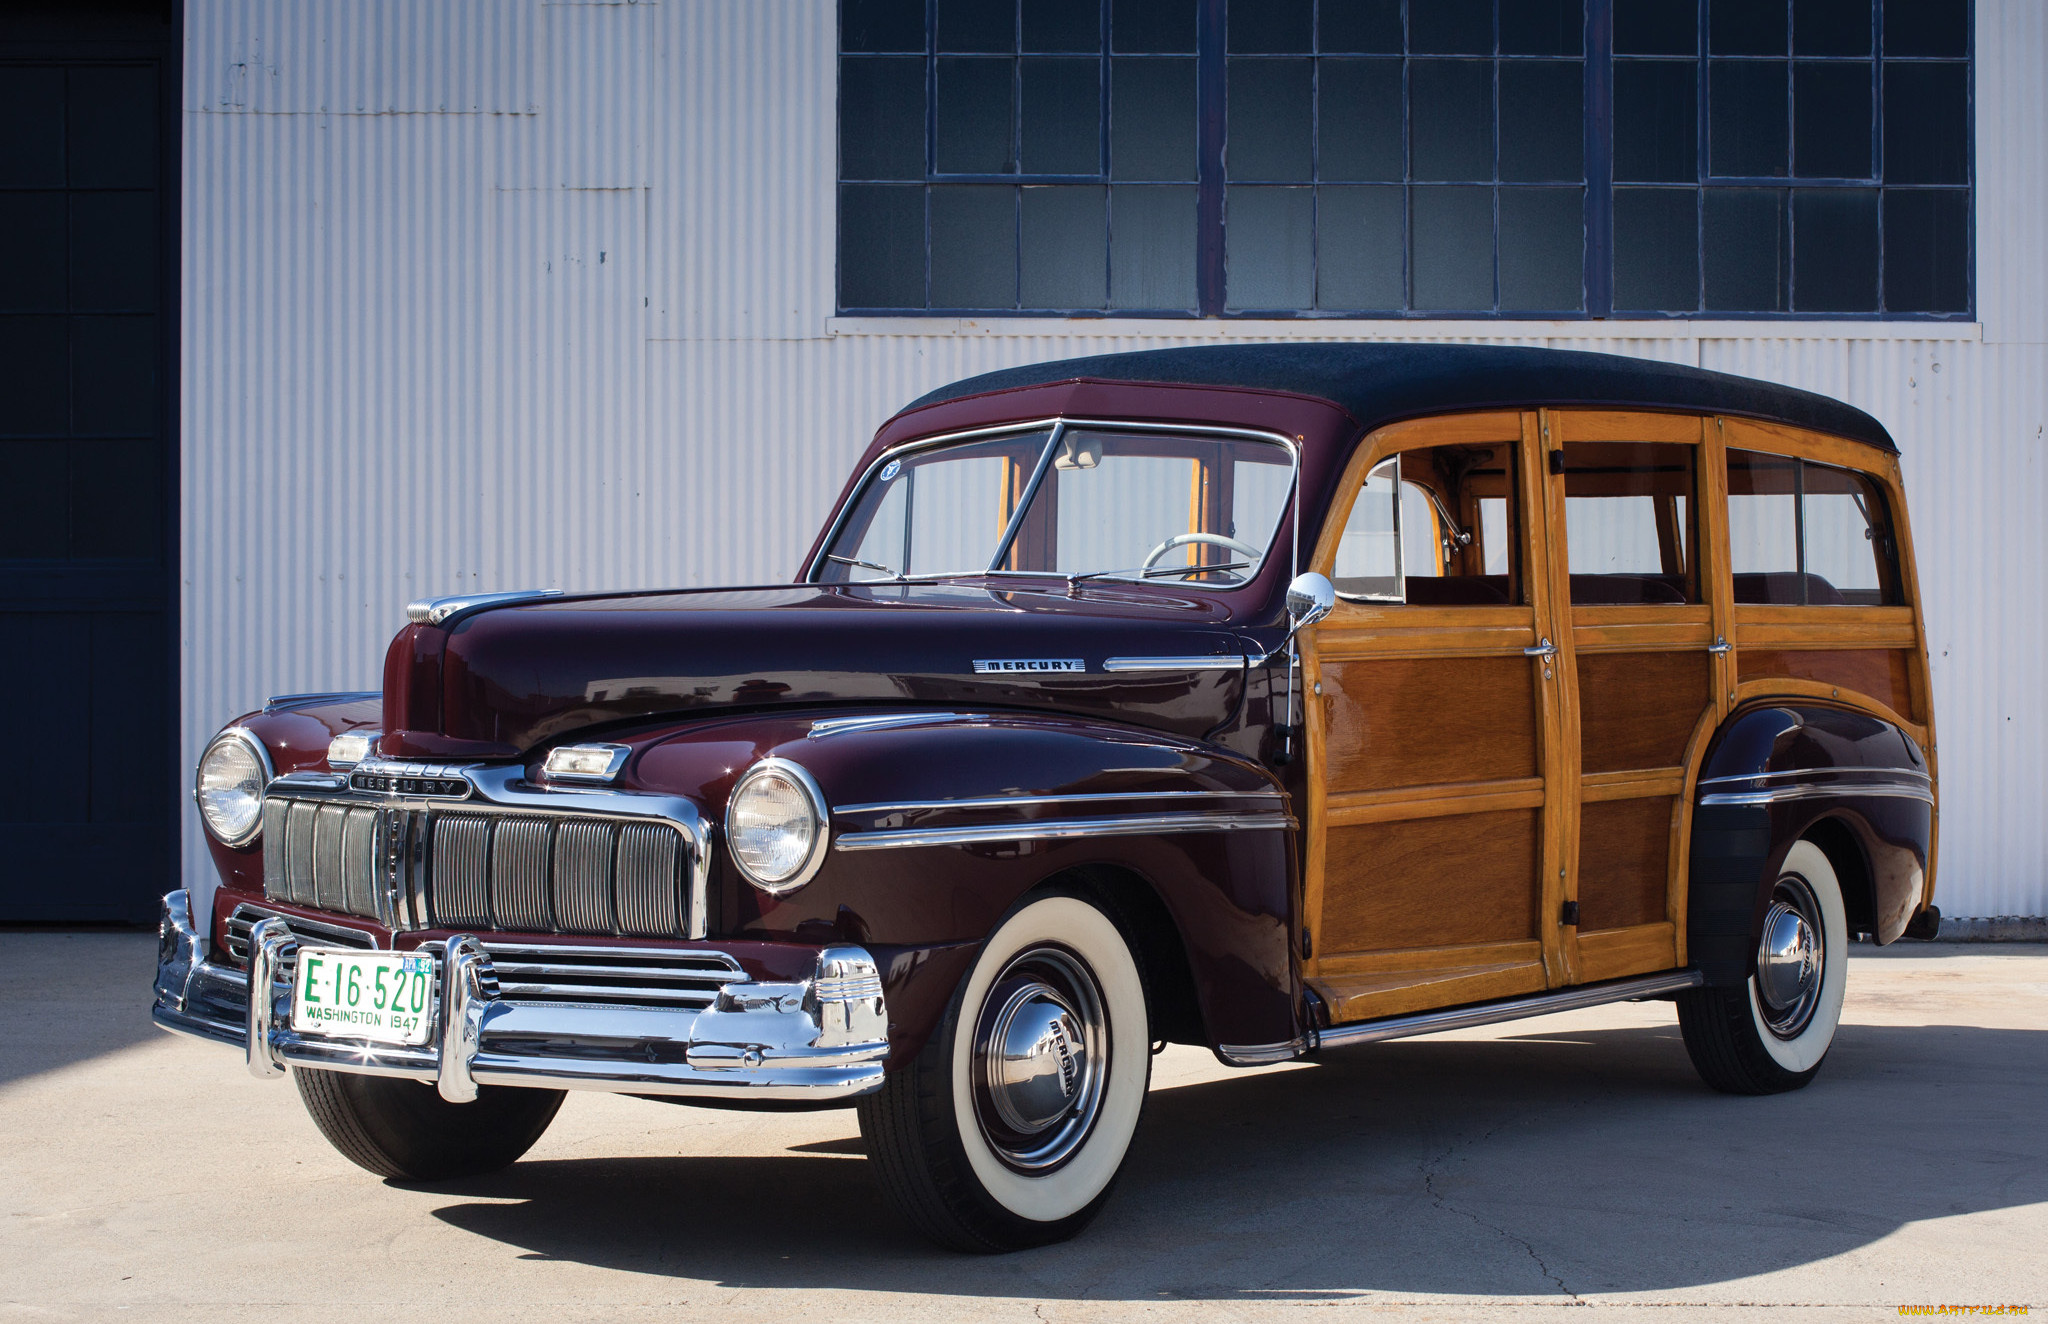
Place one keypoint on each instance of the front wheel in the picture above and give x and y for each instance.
(406, 1130)
(1010, 1126)
(1770, 1035)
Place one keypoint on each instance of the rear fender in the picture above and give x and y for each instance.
(1855, 784)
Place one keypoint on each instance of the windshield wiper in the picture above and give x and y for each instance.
(1165, 572)
(865, 565)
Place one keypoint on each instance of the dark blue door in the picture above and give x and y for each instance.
(88, 460)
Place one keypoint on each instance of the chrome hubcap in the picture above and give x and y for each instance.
(1041, 1054)
(1791, 957)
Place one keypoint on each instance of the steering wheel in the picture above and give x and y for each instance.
(1245, 550)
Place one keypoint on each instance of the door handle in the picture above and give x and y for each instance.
(1543, 648)
(1719, 646)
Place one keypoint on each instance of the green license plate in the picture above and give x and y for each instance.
(384, 997)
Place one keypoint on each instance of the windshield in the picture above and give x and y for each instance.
(1069, 501)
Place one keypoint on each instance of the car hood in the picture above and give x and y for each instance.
(502, 681)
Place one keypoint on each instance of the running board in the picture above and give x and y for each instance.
(1513, 1009)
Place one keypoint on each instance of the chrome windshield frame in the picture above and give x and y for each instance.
(1057, 425)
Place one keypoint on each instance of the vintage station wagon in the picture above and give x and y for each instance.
(1267, 698)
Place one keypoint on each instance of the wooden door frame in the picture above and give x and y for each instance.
(1631, 629)
(1392, 631)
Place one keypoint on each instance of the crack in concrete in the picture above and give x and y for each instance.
(1429, 1169)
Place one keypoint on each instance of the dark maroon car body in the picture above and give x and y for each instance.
(701, 684)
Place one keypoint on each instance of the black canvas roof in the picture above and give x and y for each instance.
(1383, 383)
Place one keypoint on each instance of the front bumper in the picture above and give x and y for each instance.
(819, 1040)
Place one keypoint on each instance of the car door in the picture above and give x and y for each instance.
(1437, 761)
(1635, 573)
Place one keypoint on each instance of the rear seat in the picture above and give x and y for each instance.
(1782, 587)
(1623, 590)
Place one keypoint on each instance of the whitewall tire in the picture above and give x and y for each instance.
(1771, 1034)
(1009, 1128)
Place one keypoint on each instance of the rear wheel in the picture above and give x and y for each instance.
(1011, 1125)
(1771, 1034)
(406, 1130)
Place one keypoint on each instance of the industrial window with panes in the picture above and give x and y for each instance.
(1372, 158)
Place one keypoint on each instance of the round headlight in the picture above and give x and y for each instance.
(232, 774)
(775, 826)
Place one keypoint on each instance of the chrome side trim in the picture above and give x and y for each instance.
(833, 726)
(1059, 829)
(1261, 1055)
(1907, 774)
(1214, 662)
(1513, 1009)
(278, 703)
(1775, 794)
(1092, 797)
(448, 610)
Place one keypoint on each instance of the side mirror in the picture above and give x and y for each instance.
(1310, 597)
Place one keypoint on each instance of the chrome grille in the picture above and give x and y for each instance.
(247, 917)
(460, 888)
(519, 874)
(411, 867)
(583, 876)
(612, 976)
(648, 854)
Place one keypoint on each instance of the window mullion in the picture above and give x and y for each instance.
(1599, 143)
(1209, 134)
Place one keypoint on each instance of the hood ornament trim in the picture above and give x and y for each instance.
(833, 726)
(444, 611)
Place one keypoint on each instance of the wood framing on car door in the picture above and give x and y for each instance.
(1637, 565)
(1437, 823)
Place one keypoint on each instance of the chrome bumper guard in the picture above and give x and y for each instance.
(817, 1040)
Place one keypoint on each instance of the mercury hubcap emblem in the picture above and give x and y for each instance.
(1035, 1068)
(1041, 1059)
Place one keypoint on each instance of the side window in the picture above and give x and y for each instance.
(1847, 539)
(1629, 513)
(1806, 534)
(1433, 527)
(1763, 527)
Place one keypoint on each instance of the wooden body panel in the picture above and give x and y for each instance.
(1428, 721)
(1638, 710)
(1461, 792)
(1429, 882)
(1885, 674)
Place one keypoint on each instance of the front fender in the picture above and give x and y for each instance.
(940, 822)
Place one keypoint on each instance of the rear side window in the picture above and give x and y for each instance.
(1629, 512)
(1806, 534)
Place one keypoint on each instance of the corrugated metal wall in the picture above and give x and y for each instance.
(503, 294)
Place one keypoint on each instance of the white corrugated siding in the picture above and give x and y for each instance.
(506, 294)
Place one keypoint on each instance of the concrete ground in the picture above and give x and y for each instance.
(1568, 1162)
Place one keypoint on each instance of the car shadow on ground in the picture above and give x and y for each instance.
(1545, 1163)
